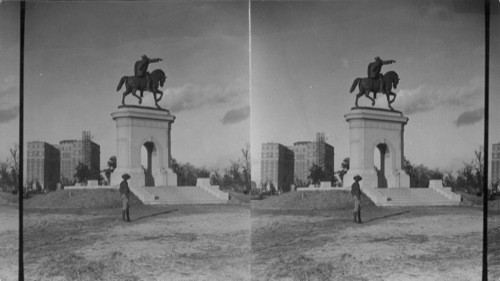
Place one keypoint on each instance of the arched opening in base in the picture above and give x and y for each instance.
(148, 161)
(380, 154)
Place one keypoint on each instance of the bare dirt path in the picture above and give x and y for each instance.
(9, 246)
(494, 245)
(436, 243)
(209, 242)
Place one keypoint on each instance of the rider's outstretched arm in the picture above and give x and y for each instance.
(388, 61)
(154, 60)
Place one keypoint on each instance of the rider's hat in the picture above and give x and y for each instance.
(377, 58)
(357, 178)
(144, 57)
(125, 176)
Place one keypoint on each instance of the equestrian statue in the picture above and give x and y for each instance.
(143, 81)
(377, 83)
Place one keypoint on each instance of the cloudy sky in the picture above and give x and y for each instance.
(76, 53)
(9, 77)
(305, 56)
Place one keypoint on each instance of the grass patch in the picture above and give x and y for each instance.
(72, 267)
(494, 252)
(312, 200)
(239, 198)
(471, 199)
(494, 205)
(8, 198)
(80, 199)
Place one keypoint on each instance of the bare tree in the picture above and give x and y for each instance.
(247, 167)
(9, 171)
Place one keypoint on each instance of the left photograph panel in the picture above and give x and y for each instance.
(136, 140)
(9, 138)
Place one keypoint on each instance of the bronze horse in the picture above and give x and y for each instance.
(132, 84)
(390, 80)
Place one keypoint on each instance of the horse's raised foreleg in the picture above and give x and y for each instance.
(161, 95)
(394, 97)
(388, 93)
(159, 98)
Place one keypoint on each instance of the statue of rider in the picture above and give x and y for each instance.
(141, 69)
(374, 69)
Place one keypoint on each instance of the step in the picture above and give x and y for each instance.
(178, 195)
(414, 197)
(185, 202)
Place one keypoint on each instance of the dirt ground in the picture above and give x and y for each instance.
(206, 242)
(9, 235)
(494, 245)
(432, 243)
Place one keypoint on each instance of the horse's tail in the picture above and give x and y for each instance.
(122, 81)
(354, 84)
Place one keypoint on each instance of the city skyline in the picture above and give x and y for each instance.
(76, 54)
(306, 55)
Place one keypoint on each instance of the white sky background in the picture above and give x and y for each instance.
(305, 56)
(76, 53)
(9, 77)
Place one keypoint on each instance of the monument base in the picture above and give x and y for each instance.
(376, 135)
(171, 178)
(370, 178)
(395, 179)
(143, 133)
(137, 177)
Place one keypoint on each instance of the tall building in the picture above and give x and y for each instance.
(308, 153)
(43, 164)
(495, 163)
(75, 151)
(277, 165)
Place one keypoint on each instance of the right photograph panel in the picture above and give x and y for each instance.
(367, 133)
(494, 146)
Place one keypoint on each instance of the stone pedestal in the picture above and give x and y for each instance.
(381, 130)
(149, 127)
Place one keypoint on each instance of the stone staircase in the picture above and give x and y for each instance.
(435, 195)
(415, 197)
(172, 195)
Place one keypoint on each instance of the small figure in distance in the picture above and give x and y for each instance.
(356, 193)
(125, 193)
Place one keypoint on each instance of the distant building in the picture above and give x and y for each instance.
(75, 151)
(277, 165)
(495, 163)
(42, 165)
(308, 153)
(281, 165)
